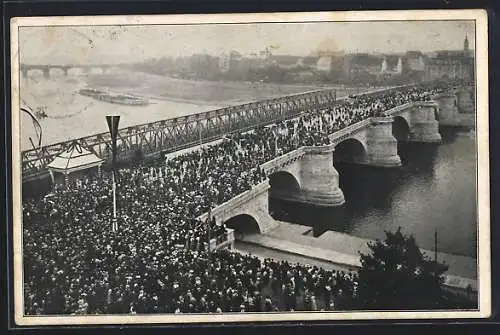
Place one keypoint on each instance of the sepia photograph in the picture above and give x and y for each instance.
(250, 167)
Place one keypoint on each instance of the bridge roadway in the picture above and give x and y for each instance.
(183, 132)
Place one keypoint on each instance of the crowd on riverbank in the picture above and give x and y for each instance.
(158, 259)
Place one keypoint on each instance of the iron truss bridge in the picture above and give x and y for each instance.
(186, 131)
(181, 132)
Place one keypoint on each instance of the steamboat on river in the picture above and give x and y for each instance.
(116, 98)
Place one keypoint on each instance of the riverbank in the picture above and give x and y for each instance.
(342, 250)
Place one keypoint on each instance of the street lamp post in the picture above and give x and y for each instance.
(113, 122)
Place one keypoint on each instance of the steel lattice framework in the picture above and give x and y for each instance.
(182, 132)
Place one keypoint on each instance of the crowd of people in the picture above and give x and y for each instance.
(159, 259)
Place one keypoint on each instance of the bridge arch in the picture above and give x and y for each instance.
(34, 73)
(283, 181)
(96, 70)
(400, 129)
(283, 185)
(243, 224)
(57, 72)
(75, 71)
(350, 150)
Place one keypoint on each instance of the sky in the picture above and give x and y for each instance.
(122, 44)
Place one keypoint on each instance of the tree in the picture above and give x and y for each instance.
(396, 275)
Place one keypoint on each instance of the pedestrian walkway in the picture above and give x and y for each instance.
(343, 249)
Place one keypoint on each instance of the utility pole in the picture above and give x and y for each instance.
(114, 196)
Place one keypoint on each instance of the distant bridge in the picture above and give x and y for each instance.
(48, 70)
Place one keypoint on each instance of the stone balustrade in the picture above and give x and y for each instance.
(283, 160)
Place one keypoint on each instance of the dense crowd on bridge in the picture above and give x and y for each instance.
(159, 260)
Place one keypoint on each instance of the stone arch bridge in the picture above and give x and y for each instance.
(49, 70)
(310, 174)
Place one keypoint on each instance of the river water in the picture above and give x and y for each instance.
(434, 190)
(72, 115)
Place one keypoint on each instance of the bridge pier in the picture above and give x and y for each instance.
(456, 108)
(424, 126)
(381, 146)
(46, 72)
(465, 100)
(319, 179)
(447, 107)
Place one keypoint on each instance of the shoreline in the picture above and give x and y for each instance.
(155, 84)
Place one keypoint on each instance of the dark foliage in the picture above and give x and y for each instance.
(396, 275)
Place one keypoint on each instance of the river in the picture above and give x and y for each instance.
(434, 190)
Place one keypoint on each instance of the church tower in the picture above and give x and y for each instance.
(466, 45)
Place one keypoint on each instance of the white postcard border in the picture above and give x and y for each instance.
(483, 196)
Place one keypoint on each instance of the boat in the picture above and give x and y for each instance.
(117, 98)
(124, 99)
(90, 92)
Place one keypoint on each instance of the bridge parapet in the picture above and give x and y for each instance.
(321, 149)
(428, 103)
(349, 131)
(421, 119)
(253, 202)
(282, 161)
(397, 109)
